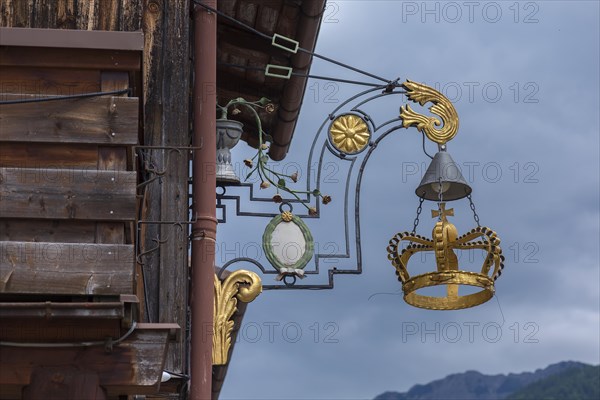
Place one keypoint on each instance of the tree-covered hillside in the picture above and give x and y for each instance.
(575, 384)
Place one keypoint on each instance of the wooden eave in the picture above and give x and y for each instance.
(299, 20)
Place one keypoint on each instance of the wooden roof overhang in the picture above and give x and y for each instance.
(298, 20)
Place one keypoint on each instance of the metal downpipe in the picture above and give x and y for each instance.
(204, 231)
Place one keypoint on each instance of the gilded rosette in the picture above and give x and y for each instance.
(349, 133)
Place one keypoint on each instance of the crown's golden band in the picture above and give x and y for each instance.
(450, 302)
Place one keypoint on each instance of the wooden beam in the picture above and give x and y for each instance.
(42, 57)
(95, 120)
(67, 194)
(48, 155)
(167, 123)
(36, 328)
(66, 268)
(47, 230)
(82, 39)
(48, 81)
(61, 231)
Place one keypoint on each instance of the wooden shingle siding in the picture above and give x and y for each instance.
(67, 194)
(68, 183)
(96, 120)
(39, 57)
(61, 231)
(69, 63)
(65, 268)
(47, 81)
(51, 155)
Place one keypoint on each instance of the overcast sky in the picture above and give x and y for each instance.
(524, 78)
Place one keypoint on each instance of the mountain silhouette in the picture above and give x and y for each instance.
(477, 386)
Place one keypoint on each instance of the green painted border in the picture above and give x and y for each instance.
(266, 242)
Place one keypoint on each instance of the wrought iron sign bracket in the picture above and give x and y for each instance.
(351, 134)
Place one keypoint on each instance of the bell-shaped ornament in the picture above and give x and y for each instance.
(443, 173)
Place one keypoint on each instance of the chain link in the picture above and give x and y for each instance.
(440, 198)
(419, 209)
(475, 216)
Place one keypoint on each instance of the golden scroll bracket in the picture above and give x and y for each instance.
(240, 285)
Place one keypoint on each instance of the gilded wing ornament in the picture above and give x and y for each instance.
(442, 107)
(239, 285)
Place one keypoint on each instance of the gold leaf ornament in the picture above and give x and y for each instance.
(349, 133)
(442, 107)
(239, 285)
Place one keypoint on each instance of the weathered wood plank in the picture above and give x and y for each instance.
(17, 14)
(48, 81)
(97, 120)
(48, 155)
(112, 159)
(166, 28)
(47, 57)
(115, 159)
(67, 15)
(173, 299)
(152, 20)
(66, 268)
(61, 38)
(71, 14)
(45, 230)
(108, 16)
(114, 80)
(44, 15)
(64, 382)
(67, 194)
(133, 367)
(37, 328)
(110, 232)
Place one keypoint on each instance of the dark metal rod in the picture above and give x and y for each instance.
(323, 78)
(69, 97)
(360, 71)
(169, 147)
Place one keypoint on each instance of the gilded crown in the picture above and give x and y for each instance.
(445, 240)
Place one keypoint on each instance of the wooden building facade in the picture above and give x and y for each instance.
(94, 187)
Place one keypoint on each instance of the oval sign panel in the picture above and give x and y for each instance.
(288, 245)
